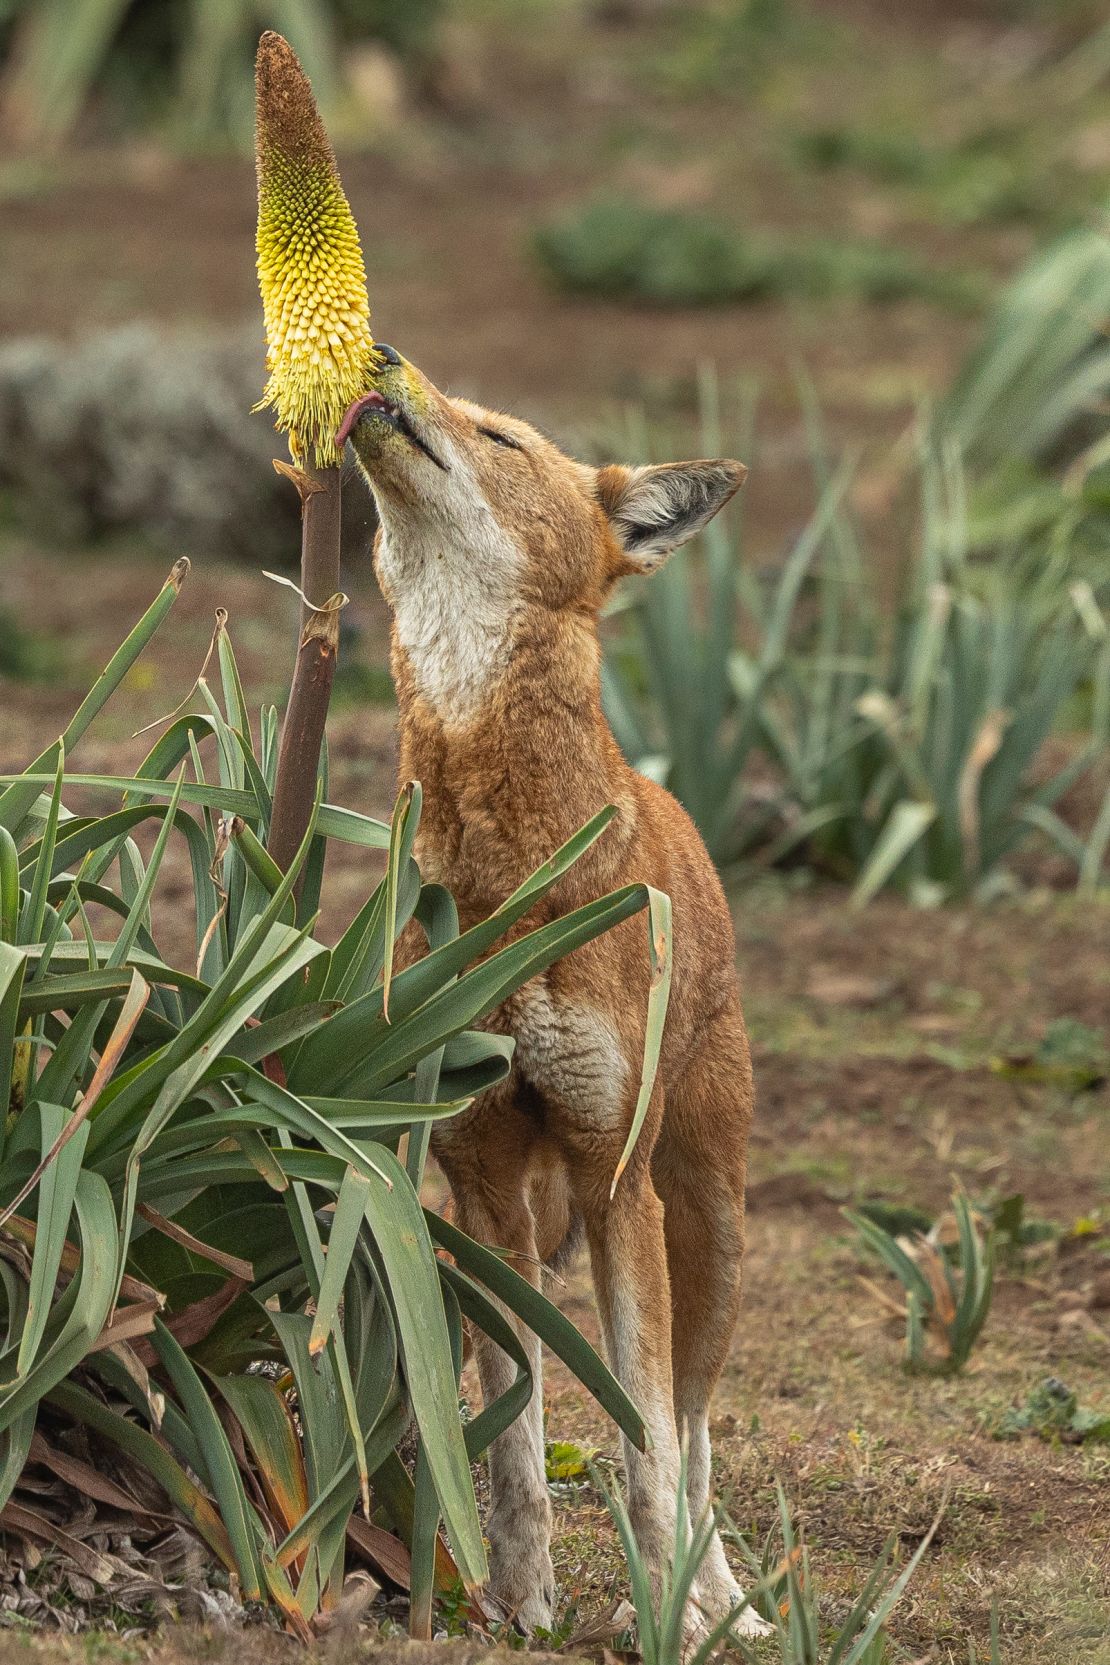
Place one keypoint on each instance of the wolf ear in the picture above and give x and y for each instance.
(653, 510)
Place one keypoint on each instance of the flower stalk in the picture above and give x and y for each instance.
(302, 730)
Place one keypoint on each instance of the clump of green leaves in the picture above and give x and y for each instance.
(214, 1260)
(948, 1295)
(1052, 1412)
(1041, 371)
(1026, 416)
(897, 757)
(662, 1616)
(622, 248)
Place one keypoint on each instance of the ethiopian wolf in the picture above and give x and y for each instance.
(496, 553)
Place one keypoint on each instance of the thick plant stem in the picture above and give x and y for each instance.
(302, 734)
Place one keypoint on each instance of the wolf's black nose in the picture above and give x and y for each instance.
(388, 353)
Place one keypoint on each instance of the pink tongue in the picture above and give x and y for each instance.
(366, 402)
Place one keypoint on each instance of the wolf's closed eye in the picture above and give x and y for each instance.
(501, 439)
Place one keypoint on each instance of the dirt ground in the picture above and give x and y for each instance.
(878, 1037)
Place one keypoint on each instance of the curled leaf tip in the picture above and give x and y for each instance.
(320, 352)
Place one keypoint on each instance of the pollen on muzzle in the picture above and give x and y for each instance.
(368, 401)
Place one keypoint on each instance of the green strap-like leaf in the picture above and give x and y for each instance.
(42, 870)
(439, 916)
(332, 822)
(9, 887)
(411, 1274)
(907, 821)
(659, 993)
(554, 1329)
(893, 1256)
(402, 835)
(56, 1191)
(77, 1319)
(13, 965)
(347, 1222)
(271, 1436)
(219, 1460)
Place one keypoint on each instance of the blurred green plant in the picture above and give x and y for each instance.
(1027, 416)
(1015, 1231)
(213, 1254)
(940, 1307)
(899, 756)
(620, 247)
(24, 655)
(185, 58)
(996, 1642)
(984, 176)
(1038, 380)
(1071, 1056)
(728, 47)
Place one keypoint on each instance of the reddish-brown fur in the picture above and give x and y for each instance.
(511, 765)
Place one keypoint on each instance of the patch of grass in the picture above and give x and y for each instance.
(984, 176)
(621, 248)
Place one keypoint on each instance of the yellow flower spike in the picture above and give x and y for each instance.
(319, 350)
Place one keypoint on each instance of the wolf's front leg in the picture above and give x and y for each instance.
(519, 1522)
(628, 1253)
(519, 1526)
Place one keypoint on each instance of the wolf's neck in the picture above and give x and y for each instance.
(456, 626)
(533, 760)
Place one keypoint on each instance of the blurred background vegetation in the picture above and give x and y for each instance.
(879, 231)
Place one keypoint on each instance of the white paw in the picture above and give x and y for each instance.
(720, 1597)
(536, 1612)
(749, 1623)
(526, 1592)
(521, 1575)
(695, 1630)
